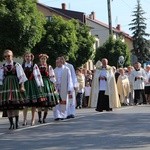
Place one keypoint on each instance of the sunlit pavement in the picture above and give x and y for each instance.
(124, 128)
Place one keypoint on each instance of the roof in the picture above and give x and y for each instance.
(51, 9)
(66, 13)
(114, 29)
(80, 16)
(73, 14)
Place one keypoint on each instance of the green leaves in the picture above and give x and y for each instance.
(21, 25)
(111, 50)
(138, 27)
(68, 38)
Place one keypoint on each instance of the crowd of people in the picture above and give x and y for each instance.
(39, 87)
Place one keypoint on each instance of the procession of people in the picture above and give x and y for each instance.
(39, 87)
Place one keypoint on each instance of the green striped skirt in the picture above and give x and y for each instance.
(10, 95)
(53, 97)
(34, 94)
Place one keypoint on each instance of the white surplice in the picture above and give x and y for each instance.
(63, 85)
(72, 102)
(138, 84)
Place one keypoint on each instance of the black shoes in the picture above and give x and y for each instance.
(110, 109)
(57, 119)
(99, 110)
(12, 126)
(40, 121)
(44, 121)
(70, 116)
(78, 107)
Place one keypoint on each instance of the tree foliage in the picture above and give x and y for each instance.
(60, 39)
(21, 25)
(85, 43)
(111, 50)
(67, 38)
(138, 26)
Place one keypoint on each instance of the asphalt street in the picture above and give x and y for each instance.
(126, 128)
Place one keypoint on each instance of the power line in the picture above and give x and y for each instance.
(126, 4)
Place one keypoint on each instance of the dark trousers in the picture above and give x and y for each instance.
(79, 98)
(86, 101)
(103, 102)
(138, 95)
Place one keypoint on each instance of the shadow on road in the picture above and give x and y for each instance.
(99, 131)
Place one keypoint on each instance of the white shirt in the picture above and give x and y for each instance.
(28, 64)
(103, 83)
(87, 90)
(59, 75)
(147, 79)
(73, 74)
(11, 63)
(138, 84)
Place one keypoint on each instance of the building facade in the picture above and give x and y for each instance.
(99, 30)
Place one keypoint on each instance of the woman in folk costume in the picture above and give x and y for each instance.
(33, 86)
(123, 87)
(12, 78)
(48, 76)
(105, 88)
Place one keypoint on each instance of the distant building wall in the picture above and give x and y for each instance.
(101, 32)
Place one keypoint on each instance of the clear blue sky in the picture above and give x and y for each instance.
(121, 10)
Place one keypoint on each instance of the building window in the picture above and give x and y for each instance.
(49, 18)
(97, 44)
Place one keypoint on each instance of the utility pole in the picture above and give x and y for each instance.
(109, 17)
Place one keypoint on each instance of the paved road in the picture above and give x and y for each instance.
(126, 128)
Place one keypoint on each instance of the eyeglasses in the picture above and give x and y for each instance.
(7, 56)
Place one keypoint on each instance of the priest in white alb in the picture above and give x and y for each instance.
(72, 101)
(105, 88)
(138, 76)
(64, 86)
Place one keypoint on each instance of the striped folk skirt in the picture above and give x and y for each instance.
(10, 95)
(53, 98)
(34, 94)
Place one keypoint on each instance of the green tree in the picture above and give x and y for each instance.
(60, 39)
(85, 43)
(21, 25)
(111, 50)
(68, 38)
(138, 26)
